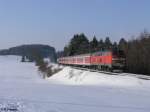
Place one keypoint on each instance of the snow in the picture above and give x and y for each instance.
(80, 77)
(70, 90)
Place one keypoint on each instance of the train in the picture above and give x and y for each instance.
(101, 60)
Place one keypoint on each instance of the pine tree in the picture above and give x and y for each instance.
(79, 44)
(101, 45)
(122, 44)
(94, 45)
(115, 47)
(107, 44)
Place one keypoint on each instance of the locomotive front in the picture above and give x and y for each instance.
(118, 60)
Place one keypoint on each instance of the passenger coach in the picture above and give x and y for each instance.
(102, 60)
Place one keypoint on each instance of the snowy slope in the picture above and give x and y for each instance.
(73, 76)
(70, 90)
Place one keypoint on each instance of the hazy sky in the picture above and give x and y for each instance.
(54, 22)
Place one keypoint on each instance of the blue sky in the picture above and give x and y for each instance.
(54, 22)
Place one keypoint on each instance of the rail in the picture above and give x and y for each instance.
(144, 77)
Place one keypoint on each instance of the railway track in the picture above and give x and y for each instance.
(92, 70)
(144, 77)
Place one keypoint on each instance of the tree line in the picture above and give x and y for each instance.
(80, 44)
(136, 51)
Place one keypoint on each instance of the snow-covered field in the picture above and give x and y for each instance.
(70, 90)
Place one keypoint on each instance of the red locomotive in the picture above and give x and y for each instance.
(102, 60)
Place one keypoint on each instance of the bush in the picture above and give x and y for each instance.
(43, 66)
(49, 71)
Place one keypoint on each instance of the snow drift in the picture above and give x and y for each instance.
(73, 76)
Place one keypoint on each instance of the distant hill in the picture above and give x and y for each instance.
(45, 50)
